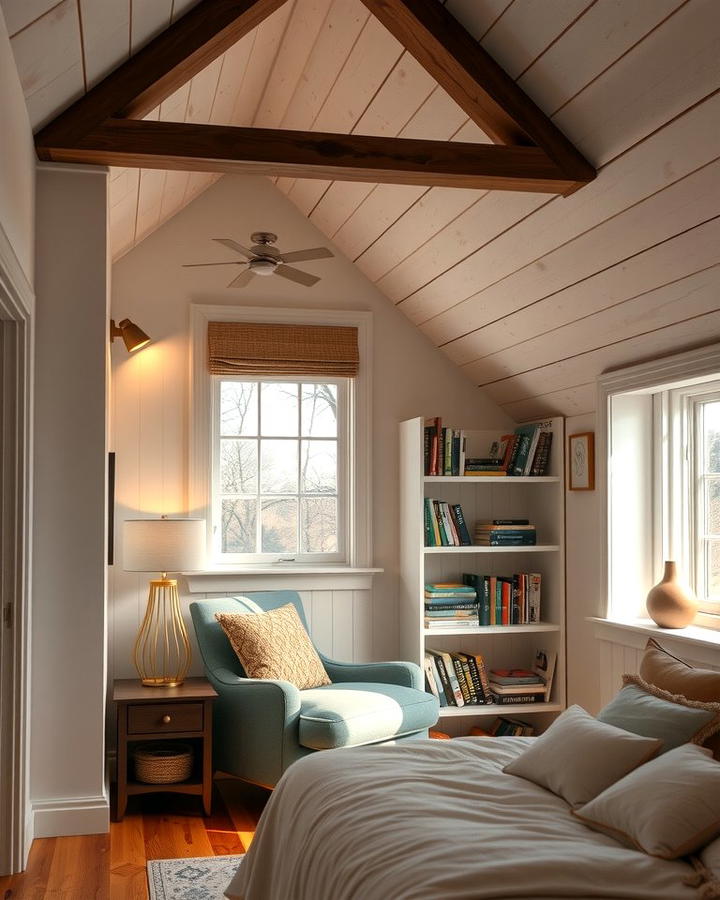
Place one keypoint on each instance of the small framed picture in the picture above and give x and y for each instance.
(581, 461)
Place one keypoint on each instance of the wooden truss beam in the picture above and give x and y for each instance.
(105, 126)
(474, 80)
(165, 64)
(312, 154)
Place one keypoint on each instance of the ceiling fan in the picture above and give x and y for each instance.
(264, 259)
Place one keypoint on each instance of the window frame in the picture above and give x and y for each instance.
(344, 468)
(358, 510)
(696, 556)
(671, 383)
(676, 482)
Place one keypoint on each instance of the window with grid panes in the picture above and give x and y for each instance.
(279, 469)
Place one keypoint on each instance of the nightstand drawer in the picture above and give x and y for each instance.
(160, 717)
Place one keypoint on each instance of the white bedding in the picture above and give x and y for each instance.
(436, 820)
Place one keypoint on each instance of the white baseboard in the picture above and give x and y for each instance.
(79, 815)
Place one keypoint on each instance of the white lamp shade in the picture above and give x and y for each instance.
(164, 545)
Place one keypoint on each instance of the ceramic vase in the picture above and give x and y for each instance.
(671, 604)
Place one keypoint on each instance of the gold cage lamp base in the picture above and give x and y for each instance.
(162, 650)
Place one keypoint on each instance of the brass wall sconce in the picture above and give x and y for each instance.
(133, 337)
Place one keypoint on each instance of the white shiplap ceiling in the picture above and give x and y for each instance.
(532, 296)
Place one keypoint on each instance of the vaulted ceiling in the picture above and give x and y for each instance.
(531, 295)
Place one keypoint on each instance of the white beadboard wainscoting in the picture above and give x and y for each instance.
(622, 646)
(340, 622)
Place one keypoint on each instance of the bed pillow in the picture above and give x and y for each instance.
(578, 757)
(668, 808)
(676, 676)
(651, 712)
(274, 644)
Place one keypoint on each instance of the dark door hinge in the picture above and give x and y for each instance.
(8, 615)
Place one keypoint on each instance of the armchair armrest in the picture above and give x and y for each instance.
(256, 691)
(255, 726)
(406, 674)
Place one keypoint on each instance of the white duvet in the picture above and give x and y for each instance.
(435, 820)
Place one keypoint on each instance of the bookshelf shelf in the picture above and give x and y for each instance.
(536, 548)
(540, 499)
(494, 480)
(496, 709)
(494, 629)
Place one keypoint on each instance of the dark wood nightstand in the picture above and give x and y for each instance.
(159, 714)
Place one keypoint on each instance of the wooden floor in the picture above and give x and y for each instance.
(112, 866)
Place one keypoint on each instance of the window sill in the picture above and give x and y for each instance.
(279, 577)
(702, 644)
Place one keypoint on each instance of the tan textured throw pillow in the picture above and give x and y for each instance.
(669, 807)
(274, 645)
(578, 757)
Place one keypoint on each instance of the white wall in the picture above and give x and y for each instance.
(150, 392)
(584, 537)
(17, 164)
(68, 625)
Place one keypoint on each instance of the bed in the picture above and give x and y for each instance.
(436, 820)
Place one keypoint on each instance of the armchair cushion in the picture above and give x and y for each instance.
(355, 713)
(275, 645)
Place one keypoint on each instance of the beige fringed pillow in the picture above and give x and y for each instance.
(275, 645)
(711, 710)
(661, 668)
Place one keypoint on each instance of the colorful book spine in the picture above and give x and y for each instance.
(444, 678)
(475, 677)
(429, 527)
(460, 675)
(462, 528)
(431, 685)
(515, 601)
(533, 603)
(452, 678)
(506, 599)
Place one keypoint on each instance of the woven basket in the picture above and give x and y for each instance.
(163, 762)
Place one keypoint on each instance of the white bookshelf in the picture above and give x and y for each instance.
(540, 499)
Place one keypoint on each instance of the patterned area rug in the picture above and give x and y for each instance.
(198, 878)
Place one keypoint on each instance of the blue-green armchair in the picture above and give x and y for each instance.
(262, 726)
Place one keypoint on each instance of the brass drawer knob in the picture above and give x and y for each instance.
(166, 719)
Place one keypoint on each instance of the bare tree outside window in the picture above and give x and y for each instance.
(277, 467)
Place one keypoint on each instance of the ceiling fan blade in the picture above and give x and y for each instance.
(304, 255)
(243, 279)
(233, 245)
(296, 275)
(230, 262)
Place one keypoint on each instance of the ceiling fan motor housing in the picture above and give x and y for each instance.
(263, 265)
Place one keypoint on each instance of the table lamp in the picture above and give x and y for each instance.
(162, 649)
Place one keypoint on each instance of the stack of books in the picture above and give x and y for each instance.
(507, 599)
(445, 525)
(505, 533)
(504, 726)
(513, 686)
(479, 466)
(526, 452)
(444, 449)
(450, 604)
(457, 679)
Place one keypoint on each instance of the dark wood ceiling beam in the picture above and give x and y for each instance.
(309, 154)
(161, 67)
(475, 81)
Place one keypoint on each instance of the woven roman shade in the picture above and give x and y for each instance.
(251, 348)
